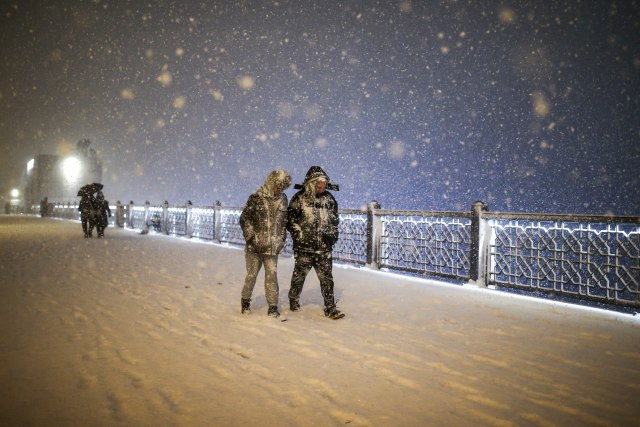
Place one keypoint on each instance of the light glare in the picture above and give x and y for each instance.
(71, 168)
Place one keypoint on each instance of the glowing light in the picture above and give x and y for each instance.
(127, 93)
(541, 106)
(246, 82)
(15, 193)
(507, 15)
(179, 102)
(71, 168)
(165, 78)
(30, 164)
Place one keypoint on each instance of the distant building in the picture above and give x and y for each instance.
(59, 178)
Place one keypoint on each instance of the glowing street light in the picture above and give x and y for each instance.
(15, 193)
(71, 174)
(71, 168)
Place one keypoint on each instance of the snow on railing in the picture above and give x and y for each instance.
(594, 258)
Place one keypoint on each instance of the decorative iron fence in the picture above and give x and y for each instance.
(594, 258)
(433, 243)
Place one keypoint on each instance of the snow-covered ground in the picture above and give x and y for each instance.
(146, 331)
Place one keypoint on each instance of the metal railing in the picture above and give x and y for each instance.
(585, 257)
(433, 243)
(594, 258)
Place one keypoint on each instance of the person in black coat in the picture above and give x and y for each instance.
(87, 200)
(101, 213)
(312, 221)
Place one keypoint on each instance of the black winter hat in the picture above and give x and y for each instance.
(314, 173)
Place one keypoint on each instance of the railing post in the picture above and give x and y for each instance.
(188, 226)
(374, 229)
(165, 217)
(478, 254)
(217, 221)
(119, 214)
(130, 215)
(145, 223)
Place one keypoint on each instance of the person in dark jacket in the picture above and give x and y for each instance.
(313, 224)
(101, 213)
(85, 207)
(263, 223)
(44, 207)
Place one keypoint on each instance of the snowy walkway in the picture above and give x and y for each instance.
(146, 331)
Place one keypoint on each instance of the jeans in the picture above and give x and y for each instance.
(254, 263)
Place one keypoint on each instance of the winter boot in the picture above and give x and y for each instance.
(273, 311)
(333, 313)
(294, 305)
(246, 306)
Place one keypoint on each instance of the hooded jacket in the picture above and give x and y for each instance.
(101, 210)
(313, 218)
(86, 203)
(263, 219)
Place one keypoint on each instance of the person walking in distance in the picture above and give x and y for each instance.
(85, 207)
(263, 223)
(102, 214)
(313, 224)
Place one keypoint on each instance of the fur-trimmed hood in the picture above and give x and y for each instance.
(277, 177)
(314, 173)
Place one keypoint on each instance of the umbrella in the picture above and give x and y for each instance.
(84, 190)
(90, 189)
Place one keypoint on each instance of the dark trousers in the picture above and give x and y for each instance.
(323, 264)
(87, 224)
(100, 226)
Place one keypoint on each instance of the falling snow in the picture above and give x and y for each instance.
(529, 106)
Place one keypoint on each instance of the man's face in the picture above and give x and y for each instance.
(321, 186)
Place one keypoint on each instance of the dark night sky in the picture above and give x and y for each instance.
(424, 105)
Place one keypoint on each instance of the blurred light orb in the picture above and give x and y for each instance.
(246, 82)
(127, 93)
(180, 102)
(165, 78)
(71, 168)
(15, 193)
(396, 149)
